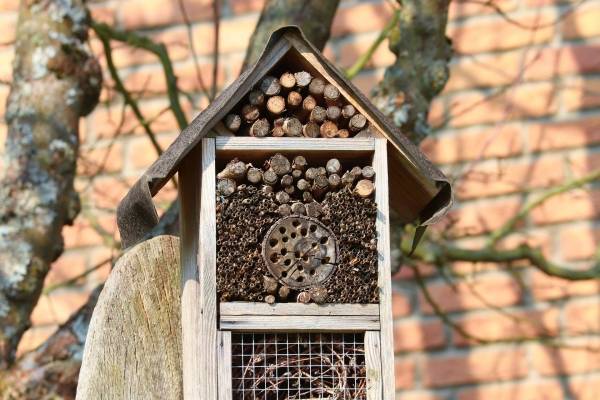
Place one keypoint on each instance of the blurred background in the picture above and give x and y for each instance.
(519, 116)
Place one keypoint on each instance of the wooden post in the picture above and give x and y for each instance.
(384, 283)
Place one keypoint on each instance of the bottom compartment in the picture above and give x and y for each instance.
(294, 366)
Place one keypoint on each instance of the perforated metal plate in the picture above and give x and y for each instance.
(300, 251)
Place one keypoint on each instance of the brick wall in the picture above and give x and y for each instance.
(519, 115)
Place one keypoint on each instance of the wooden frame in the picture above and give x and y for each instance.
(207, 326)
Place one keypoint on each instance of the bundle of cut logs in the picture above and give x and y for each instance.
(296, 105)
(293, 180)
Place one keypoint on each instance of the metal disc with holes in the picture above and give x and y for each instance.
(300, 251)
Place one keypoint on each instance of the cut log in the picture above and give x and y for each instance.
(299, 163)
(292, 127)
(364, 188)
(303, 79)
(235, 169)
(318, 115)
(311, 130)
(233, 122)
(357, 123)
(280, 164)
(294, 99)
(254, 175)
(334, 181)
(277, 130)
(287, 81)
(260, 128)
(133, 346)
(270, 86)
(316, 87)
(320, 186)
(256, 98)
(226, 187)
(270, 178)
(282, 197)
(276, 105)
(331, 94)
(250, 113)
(287, 180)
(328, 129)
(333, 166)
(348, 111)
(333, 113)
(368, 172)
(343, 133)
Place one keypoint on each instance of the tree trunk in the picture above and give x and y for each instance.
(314, 17)
(55, 82)
(421, 70)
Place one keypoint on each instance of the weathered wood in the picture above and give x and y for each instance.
(189, 196)
(373, 364)
(248, 308)
(384, 281)
(133, 348)
(225, 388)
(206, 307)
(294, 323)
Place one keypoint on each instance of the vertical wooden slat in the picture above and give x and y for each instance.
(208, 291)
(189, 197)
(373, 361)
(224, 365)
(385, 284)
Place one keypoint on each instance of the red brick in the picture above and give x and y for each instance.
(368, 80)
(8, 5)
(496, 142)
(583, 164)
(34, 337)
(57, 307)
(400, 304)
(515, 326)
(136, 14)
(583, 316)
(101, 160)
(582, 23)
(176, 41)
(579, 243)
(475, 219)
(474, 367)
(6, 55)
(562, 135)
(495, 178)
(497, 290)
(350, 52)
(81, 234)
(234, 35)
(574, 357)
(464, 8)
(574, 205)
(8, 29)
(501, 34)
(514, 391)
(585, 387)
(366, 17)
(4, 90)
(106, 192)
(100, 13)
(244, 6)
(417, 395)
(578, 59)
(546, 287)
(418, 335)
(68, 266)
(405, 374)
(581, 94)
(523, 101)
(141, 153)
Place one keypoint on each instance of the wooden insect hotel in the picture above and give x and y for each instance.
(286, 184)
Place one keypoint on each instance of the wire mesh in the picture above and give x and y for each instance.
(298, 366)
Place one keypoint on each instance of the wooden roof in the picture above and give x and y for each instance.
(418, 190)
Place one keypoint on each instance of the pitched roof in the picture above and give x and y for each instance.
(418, 190)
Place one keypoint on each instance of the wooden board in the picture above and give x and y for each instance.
(133, 345)
(225, 389)
(373, 364)
(304, 323)
(189, 197)
(385, 275)
(246, 308)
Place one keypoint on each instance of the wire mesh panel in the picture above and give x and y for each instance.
(294, 366)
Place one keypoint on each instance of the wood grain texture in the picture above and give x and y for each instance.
(303, 323)
(225, 388)
(247, 308)
(189, 197)
(133, 348)
(373, 363)
(385, 284)
(296, 144)
(207, 306)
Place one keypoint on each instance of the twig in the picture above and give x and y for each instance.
(73, 280)
(107, 33)
(366, 56)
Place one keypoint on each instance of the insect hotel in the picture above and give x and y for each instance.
(286, 182)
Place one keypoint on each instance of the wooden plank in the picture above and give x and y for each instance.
(373, 364)
(384, 280)
(189, 197)
(207, 307)
(237, 143)
(244, 308)
(304, 323)
(224, 365)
